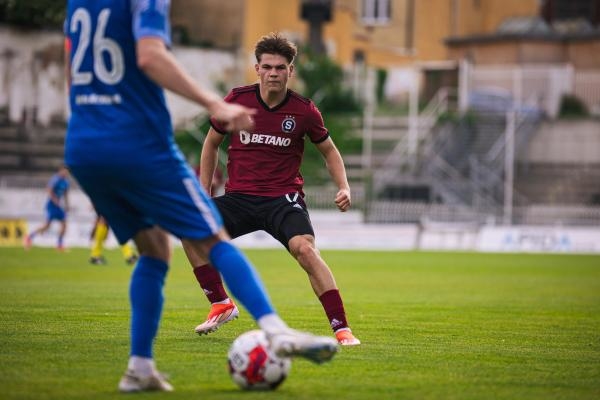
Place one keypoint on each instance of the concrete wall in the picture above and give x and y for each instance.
(214, 23)
(31, 74)
(582, 55)
(564, 141)
(334, 230)
(32, 81)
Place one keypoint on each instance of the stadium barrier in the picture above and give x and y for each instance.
(21, 209)
(12, 232)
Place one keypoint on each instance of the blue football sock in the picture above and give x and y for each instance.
(146, 296)
(241, 278)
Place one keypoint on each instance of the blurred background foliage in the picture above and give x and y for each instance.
(47, 14)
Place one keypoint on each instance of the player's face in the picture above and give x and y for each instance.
(274, 72)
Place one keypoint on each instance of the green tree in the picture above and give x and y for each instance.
(33, 13)
(324, 83)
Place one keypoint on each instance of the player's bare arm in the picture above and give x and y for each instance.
(160, 65)
(337, 170)
(209, 158)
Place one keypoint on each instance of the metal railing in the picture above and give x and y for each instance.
(400, 156)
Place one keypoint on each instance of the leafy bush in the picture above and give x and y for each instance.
(323, 82)
(340, 128)
(380, 89)
(33, 14)
(572, 106)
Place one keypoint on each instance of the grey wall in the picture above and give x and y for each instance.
(565, 141)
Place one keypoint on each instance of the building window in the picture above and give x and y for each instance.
(376, 12)
(560, 10)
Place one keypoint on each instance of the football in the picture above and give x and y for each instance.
(253, 366)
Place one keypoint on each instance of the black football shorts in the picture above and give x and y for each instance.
(282, 217)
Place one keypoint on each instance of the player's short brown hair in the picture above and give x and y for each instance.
(274, 43)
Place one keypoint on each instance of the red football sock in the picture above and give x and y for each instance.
(334, 308)
(210, 281)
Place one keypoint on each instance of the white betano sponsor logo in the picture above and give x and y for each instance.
(247, 138)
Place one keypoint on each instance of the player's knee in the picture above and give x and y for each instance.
(153, 242)
(303, 250)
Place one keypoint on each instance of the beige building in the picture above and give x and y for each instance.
(382, 33)
(413, 40)
(579, 50)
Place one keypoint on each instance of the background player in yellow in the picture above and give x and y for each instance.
(99, 235)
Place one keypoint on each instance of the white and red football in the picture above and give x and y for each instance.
(252, 364)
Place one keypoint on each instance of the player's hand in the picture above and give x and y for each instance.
(343, 201)
(233, 116)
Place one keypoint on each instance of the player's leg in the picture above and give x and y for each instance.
(290, 224)
(204, 233)
(41, 229)
(60, 244)
(236, 270)
(146, 297)
(28, 242)
(124, 215)
(245, 285)
(237, 215)
(50, 215)
(222, 308)
(100, 235)
(58, 214)
(302, 247)
(129, 254)
(171, 197)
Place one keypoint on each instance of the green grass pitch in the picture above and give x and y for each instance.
(433, 326)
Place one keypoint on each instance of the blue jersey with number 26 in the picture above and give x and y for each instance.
(118, 115)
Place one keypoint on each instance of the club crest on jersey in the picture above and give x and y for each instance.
(288, 124)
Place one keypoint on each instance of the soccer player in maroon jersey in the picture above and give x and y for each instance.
(264, 186)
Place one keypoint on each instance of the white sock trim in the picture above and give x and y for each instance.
(143, 366)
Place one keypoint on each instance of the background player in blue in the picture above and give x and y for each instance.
(120, 148)
(57, 206)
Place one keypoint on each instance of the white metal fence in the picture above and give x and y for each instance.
(586, 87)
(541, 85)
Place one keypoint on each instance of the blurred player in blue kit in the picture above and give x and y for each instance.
(57, 206)
(121, 150)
